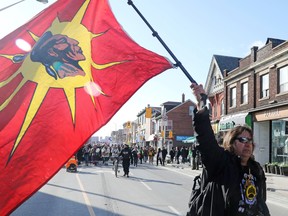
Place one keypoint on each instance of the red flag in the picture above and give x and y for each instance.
(80, 70)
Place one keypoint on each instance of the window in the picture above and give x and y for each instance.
(191, 109)
(283, 79)
(233, 97)
(244, 93)
(222, 107)
(169, 125)
(264, 82)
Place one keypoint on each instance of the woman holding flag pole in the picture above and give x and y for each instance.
(232, 168)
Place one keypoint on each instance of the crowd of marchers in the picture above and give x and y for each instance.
(101, 153)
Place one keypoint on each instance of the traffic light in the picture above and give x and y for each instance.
(170, 136)
(148, 112)
(162, 133)
(128, 125)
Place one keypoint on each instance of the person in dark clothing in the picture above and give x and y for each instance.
(178, 154)
(164, 153)
(184, 154)
(79, 155)
(135, 156)
(126, 155)
(86, 151)
(232, 166)
(159, 156)
(141, 153)
(172, 154)
(195, 157)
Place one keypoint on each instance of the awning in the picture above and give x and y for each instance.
(189, 140)
(230, 121)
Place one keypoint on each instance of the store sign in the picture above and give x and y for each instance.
(270, 114)
(227, 125)
(230, 121)
(180, 138)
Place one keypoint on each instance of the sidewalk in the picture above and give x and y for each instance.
(277, 189)
(277, 185)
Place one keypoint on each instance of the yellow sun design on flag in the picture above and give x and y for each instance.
(60, 74)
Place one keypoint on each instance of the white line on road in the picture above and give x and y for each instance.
(146, 185)
(86, 199)
(174, 170)
(174, 210)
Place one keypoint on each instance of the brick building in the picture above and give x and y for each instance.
(256, 93)
(181, 119)
(214, 86)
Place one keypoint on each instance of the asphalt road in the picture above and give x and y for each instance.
(95, 191)
(149, 190)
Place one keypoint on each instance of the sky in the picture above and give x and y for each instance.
(193, 30)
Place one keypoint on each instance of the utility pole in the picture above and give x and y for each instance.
(164, 120)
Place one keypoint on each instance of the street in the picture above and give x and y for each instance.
(95, 191)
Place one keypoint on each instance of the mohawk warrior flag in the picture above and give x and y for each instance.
(80, 70)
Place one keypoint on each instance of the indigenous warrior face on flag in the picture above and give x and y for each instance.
(59, 54)
(79, 72)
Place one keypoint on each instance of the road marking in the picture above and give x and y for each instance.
(146, 185)
(86, 199)
(100, 171)
(174, 210)
(174, 170)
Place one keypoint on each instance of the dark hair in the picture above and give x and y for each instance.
(230, 137)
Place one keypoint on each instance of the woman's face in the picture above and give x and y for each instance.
(243, 145)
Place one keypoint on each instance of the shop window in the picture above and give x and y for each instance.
(244, 93)
(264, 83)
(233, 97)
(280, 141)
(283, 79)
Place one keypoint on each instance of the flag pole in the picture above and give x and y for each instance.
(155, 34)
(178, 63)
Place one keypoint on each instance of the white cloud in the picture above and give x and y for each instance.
(259, 44)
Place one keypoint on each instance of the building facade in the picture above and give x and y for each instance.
(256, 93)
(214, 86)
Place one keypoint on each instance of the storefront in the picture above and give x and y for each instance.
(273, 130)
(230, 121)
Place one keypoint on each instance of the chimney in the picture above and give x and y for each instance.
(225, 73)
(254, 50)
(183, 98)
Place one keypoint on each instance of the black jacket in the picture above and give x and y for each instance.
(224, 168)
(126, 153)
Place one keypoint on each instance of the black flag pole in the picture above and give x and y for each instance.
(178, 63)
(155, 34)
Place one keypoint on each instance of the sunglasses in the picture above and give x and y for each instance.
(244, 140)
